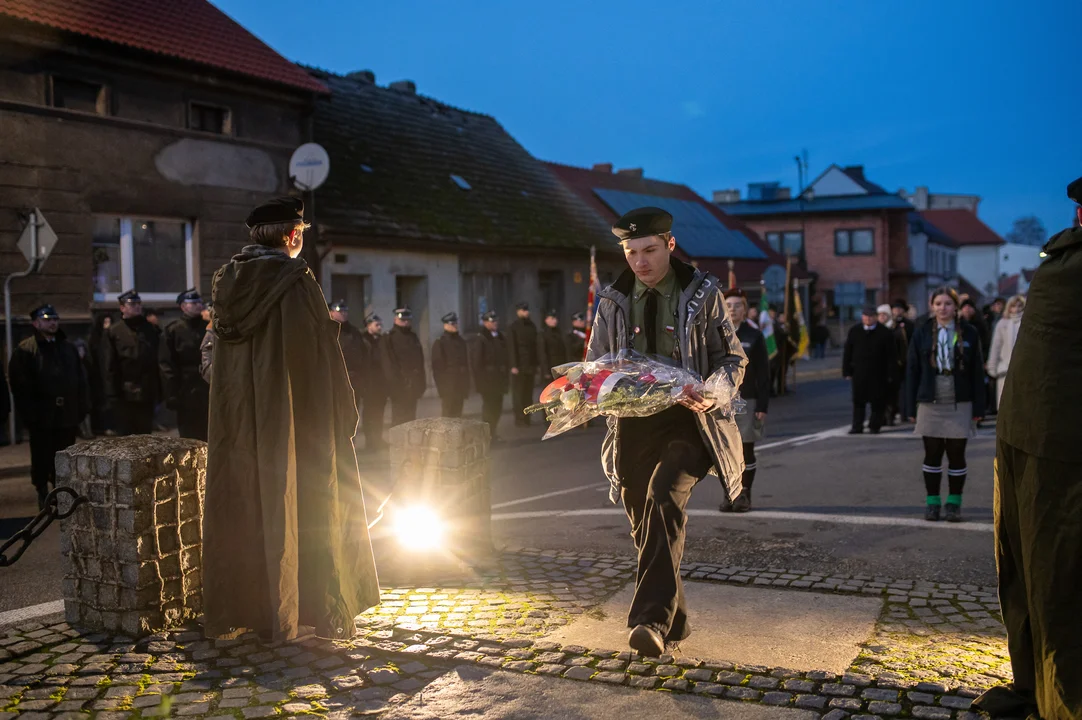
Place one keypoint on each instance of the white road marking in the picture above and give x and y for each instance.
(29, 613)
(556, 493)
(805, 439)
(878, 520)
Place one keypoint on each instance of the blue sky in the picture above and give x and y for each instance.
(963, 96)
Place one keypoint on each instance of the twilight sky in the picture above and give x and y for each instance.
(971, 96)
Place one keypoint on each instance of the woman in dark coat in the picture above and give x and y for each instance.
(945, 397)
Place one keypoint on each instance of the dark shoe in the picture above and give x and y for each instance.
(646, 641)
(856, 431)
(743, 502)
(874, 431)
(954, 513)
(1004, 700)
(932, 513)
(726, 506)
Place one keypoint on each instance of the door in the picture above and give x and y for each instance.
(551, 285)
(354, 290)
(412, 291)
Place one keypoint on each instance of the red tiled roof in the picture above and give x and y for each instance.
(963, 226)
(192, 30)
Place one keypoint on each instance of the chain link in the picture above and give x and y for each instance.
(39, 524)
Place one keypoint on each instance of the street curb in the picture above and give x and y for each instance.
(14, 471)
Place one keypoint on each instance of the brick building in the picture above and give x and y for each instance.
(144, 132)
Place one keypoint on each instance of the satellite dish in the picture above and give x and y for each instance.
(309, 166)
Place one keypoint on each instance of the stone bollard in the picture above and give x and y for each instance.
(134, 549)
(444, 463)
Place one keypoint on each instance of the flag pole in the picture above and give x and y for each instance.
(788, 324)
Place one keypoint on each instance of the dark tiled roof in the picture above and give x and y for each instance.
(964, 226)
(829, 204)
(856, 174)
(192, 30)
(393, 154)
(1028, 275)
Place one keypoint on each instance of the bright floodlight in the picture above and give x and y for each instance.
(418, 528)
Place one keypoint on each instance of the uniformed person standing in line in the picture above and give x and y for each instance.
(179, 355)
(52, 394)
(662, 306)
(524, 356)
(403, 367)
(352, 344)
(373, 387)
(1038, 492)
(551, 347)
(130, 368)
(491, 361)
(576, 339)
(451, 367)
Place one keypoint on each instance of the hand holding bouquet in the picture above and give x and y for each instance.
(627, 384)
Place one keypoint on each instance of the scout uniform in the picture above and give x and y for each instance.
(373, 390)
(130, 371)
(491, 362)
(522, 338)
(179, 357)
(451, 368)
(403, 369)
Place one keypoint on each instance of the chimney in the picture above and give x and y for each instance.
(630, 172)
(404, 86)
(920, 197)
(726, 196)
(363, 75)
(602, 168)
(856, 172)
(783, 194)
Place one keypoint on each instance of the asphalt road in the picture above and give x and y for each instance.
(824, 501)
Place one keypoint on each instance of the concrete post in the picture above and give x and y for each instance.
(134, 550)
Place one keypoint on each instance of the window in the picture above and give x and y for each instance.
(153, 255)
(481, 292)
(210, 118)
(79, 95)
(953, 265)
(551, 285)
(854, 242)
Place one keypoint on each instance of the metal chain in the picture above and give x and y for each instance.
(39, 524)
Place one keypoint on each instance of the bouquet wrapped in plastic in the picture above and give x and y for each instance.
(626, 384)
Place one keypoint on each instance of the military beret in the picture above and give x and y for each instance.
(450, 318)
(578, 317)
(735, 292)
(523, 306)
(189, 295)
(1074, 191)
(642, 222)
(372, 317)
(869, 310)
(551, 312)
(338, 306)
(490, 316)
(278, 210)
(132, 296)
(44, 312)
(403, 313)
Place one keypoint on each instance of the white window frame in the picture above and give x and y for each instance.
(127, 261)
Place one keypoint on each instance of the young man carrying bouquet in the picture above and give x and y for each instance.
(664, 307)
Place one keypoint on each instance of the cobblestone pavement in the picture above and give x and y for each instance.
(935, 648)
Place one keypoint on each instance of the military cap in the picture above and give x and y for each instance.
(189, 295)
(737, 293)
(523, 306)
(132, 296)
(338, 306)
(490, 316)
(278, 210)
(372, 317)
(1074, 191)
(450, 318)
(577, 317)
(44, 312)
(642, 222)
(403, 313)
(551, 312)
(870, 311)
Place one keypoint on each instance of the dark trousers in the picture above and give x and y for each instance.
(133, 418)
(45, 443)
(452, 404)
(491, 408)
(661, 457)
(875, 422)
(192, 423)
(1039, 559)
(522, 395)
(403, 409)
(372, 412)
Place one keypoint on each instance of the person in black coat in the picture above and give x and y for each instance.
(100, 421)
(130, 370)
(372, 389)
(186, 392)
(403, 361)
(352, 344)
(576, 339)
(451, 367)
(551, 347)
(491, 361)
(51, 394)
(755, 390)
(870, 359)
(524, 356)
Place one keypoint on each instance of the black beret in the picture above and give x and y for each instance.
(338, 306)
(403, 313)
(1074, 191)
(899, 303)
(278, 210)
(552, 313)
(189, 295)
(132, 296)
(490, 316)
(523, 306)
(450, 318)
(372, 317)
(870, 311)
(578, 316)
(735, 292)
(642, 222)
(44, 312)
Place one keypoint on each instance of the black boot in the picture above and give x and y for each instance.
(743, 501)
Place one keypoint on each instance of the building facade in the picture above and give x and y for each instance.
(978, 248)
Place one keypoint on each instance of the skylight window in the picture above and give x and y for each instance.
(366, 168)
(461, 182)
